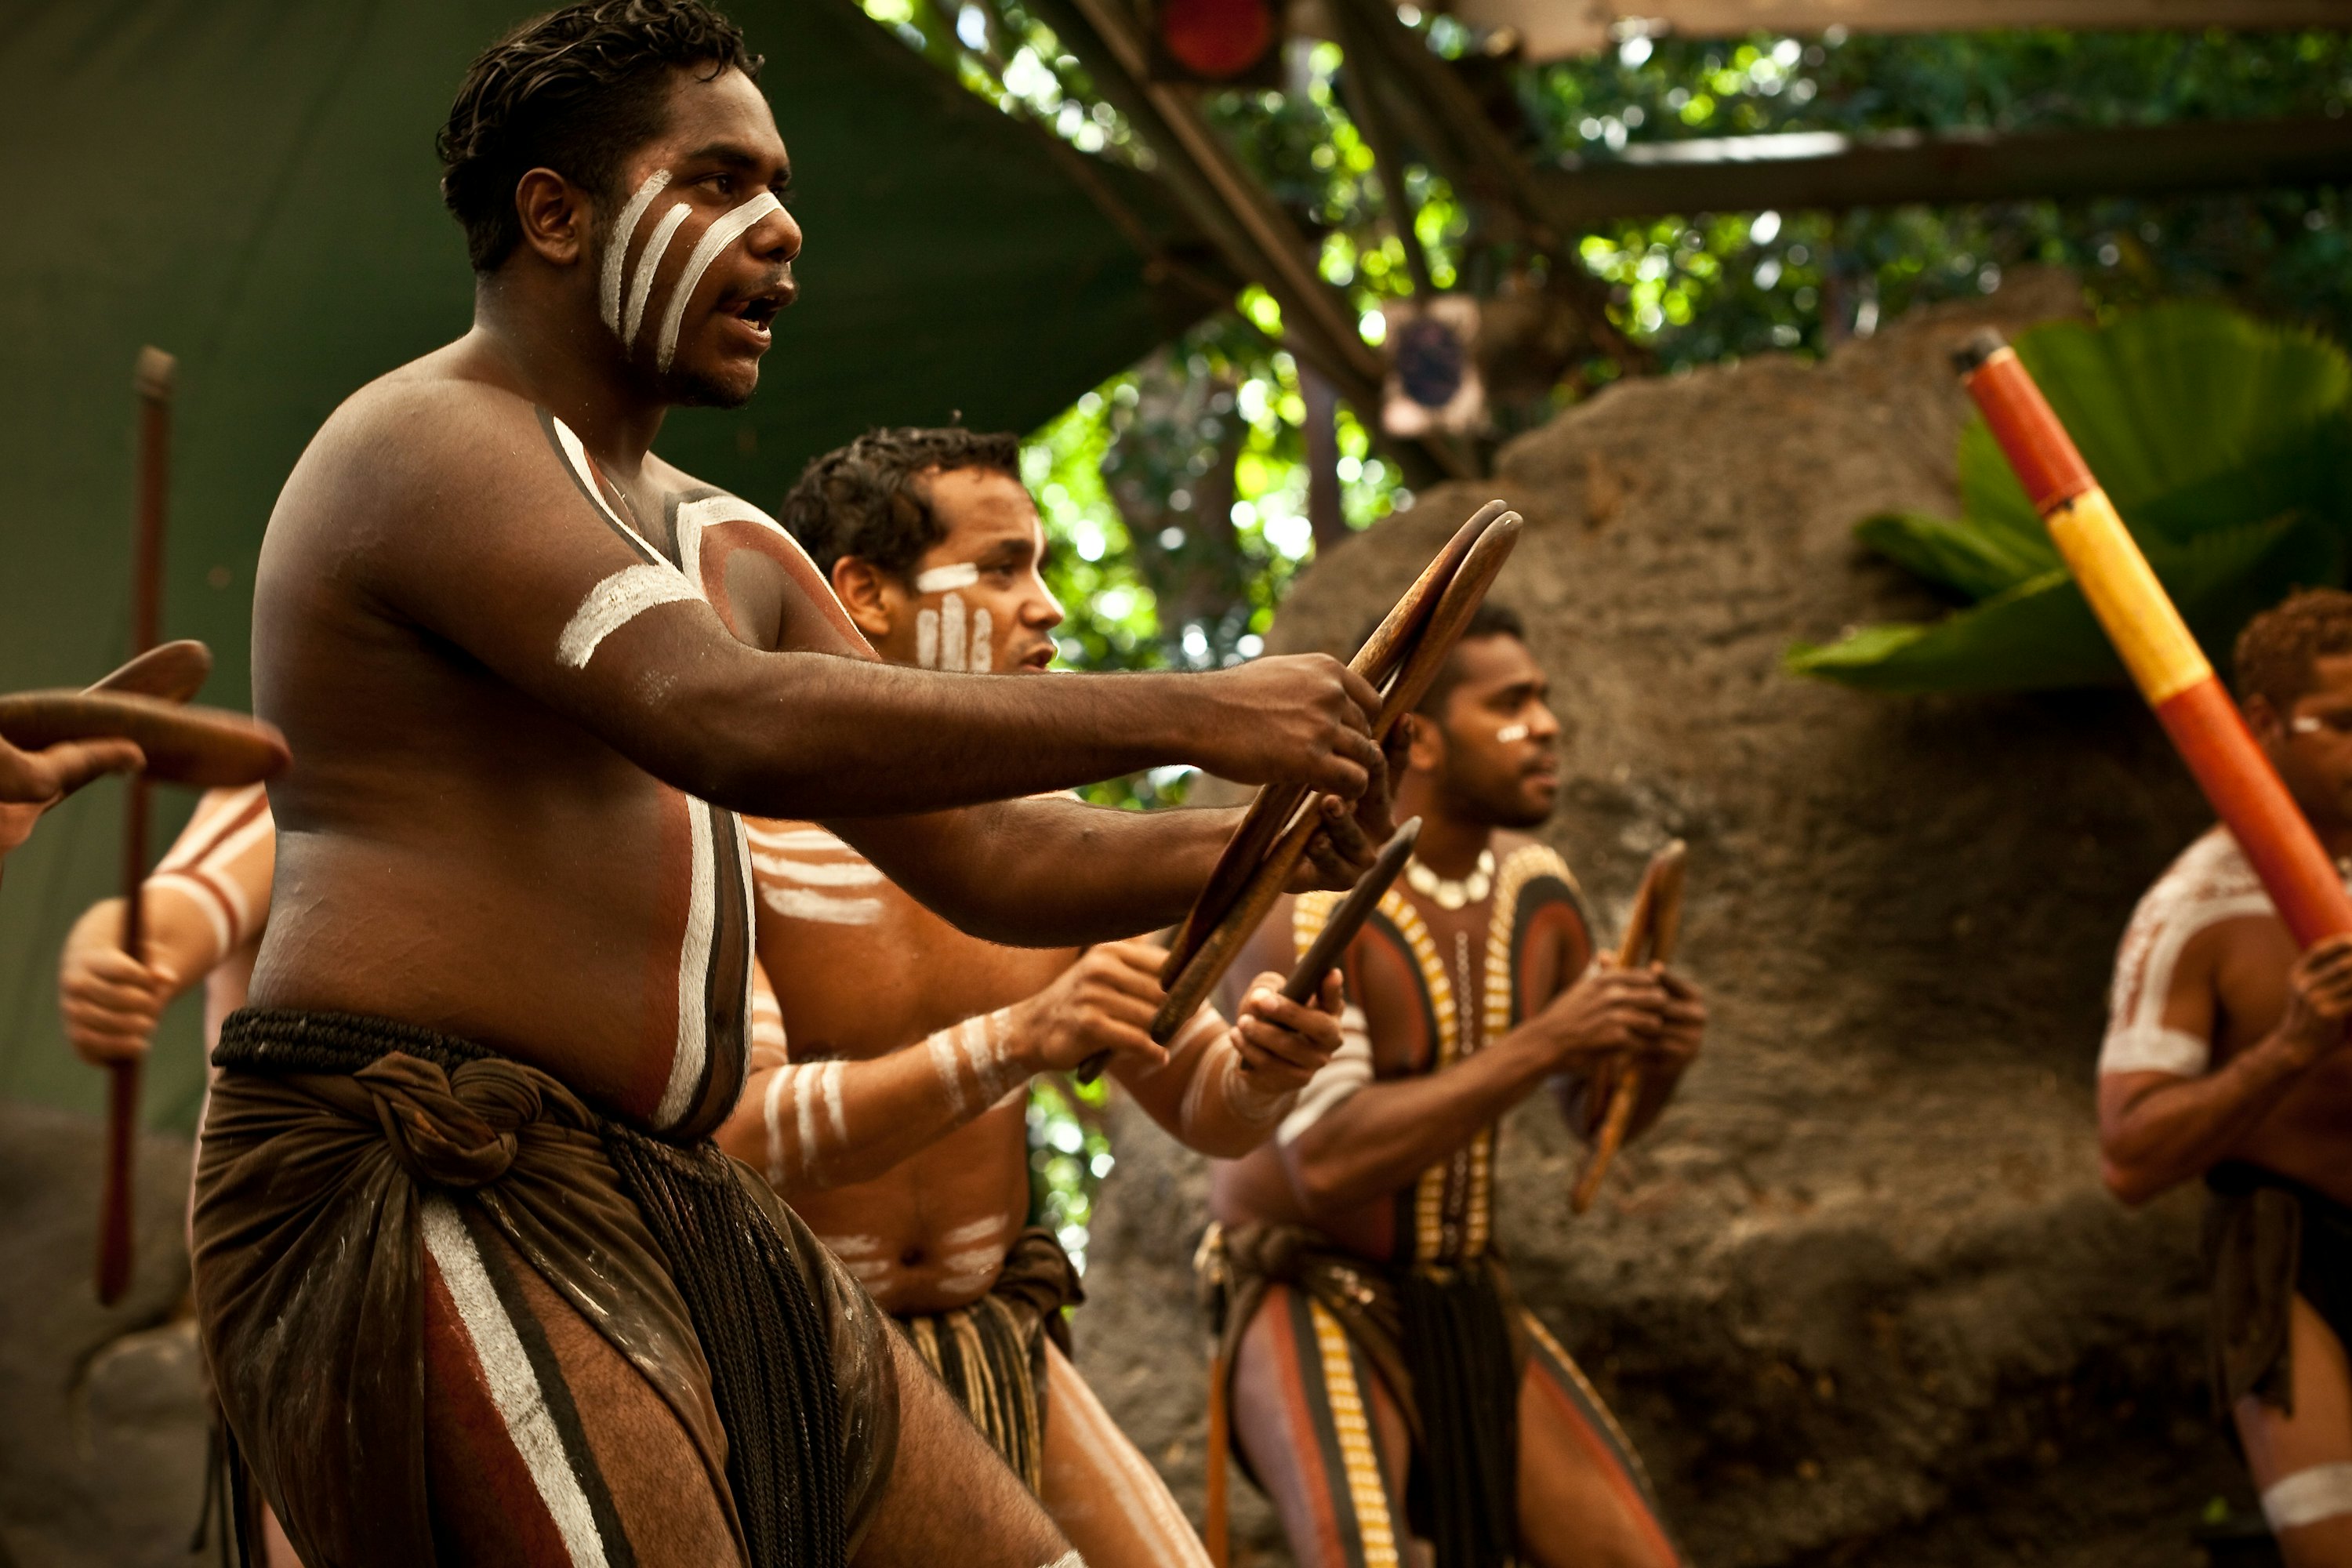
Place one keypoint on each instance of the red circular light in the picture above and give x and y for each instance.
(1216, 38)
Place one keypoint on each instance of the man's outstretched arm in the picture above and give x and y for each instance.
(487, 527)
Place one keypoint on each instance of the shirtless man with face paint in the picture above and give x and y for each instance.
(1385, 1384)
(897, 1126)
(472, 1283)
(2225, 1058)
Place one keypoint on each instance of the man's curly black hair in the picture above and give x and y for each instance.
(871, 499)
(576, 92)
(2275, 651)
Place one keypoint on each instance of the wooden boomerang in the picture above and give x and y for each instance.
(206, 748)
(1276, 805)
(171, 672)
(1463, 595)
(1655, 925)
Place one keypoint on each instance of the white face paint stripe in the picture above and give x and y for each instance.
(983, 634)
(641, 283)
(952, 632)
(820, 909)
(1067, 1560)
(975, 1231)
(693, 972)
(770, 1107)
(514, 1386)
(613, 603)
(616, 245)
(2307, 1497)
(939, 579)
(1510, 733)
(715, 239)
(926, 639)
(818, 873)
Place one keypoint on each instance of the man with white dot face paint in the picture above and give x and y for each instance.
(897, 1126)
(469, 1265)
(2224, 1058)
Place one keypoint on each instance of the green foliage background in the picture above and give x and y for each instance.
(1174, 494)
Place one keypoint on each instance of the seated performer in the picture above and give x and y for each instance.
(473, 1282)
(2224, 1058)
(897, 1129)
(1384, 1384)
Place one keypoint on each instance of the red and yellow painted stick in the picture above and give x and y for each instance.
(2156, 647)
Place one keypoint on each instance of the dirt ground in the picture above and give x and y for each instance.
(1860, 1298)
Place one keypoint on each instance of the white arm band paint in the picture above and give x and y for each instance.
(613, 603)
(715, 239)
(2307, 1497)
(616, 245)
(1350, 1069)
(977, 1045)
(2147, 1049)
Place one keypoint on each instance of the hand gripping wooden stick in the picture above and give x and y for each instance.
(2156, 646)
(1651, 931)
(1462, 595)
(153, 381)
(1276, 805)
(1322, 954)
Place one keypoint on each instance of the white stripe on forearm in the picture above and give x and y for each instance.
(2307, 1497)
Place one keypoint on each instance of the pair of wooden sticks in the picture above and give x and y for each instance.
(1651, 932)
(1401, 659)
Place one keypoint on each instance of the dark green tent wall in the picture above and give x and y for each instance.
(250, 185)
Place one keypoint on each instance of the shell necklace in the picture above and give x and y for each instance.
(1448, 894)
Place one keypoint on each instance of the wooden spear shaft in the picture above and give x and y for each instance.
(153, 382)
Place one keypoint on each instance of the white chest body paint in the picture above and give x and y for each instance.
(946, 638)
(808, 874)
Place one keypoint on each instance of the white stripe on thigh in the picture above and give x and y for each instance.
(2306, 1497)
(514, 1386)
(1142, 1497)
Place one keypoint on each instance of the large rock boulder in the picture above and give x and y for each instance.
(1860, 1297)
(103, 1419)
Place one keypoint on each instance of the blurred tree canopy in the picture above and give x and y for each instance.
(1175, 494)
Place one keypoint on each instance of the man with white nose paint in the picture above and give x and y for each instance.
(473, 1281)
(896, 1124)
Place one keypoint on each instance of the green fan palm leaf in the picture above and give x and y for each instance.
(2226, 445)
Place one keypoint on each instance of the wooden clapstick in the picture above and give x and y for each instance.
(1463, 595)
(204, 748)
(1275, 809)
(171, 672)
(1651, 931)
(1306, 980)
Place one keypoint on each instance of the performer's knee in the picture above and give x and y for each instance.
(2308, 1497)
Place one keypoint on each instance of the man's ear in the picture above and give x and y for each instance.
(867, 595)
(2267, 723)
(1426, 751)
(555, 216)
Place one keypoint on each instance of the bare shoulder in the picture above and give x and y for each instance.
(419, 428)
